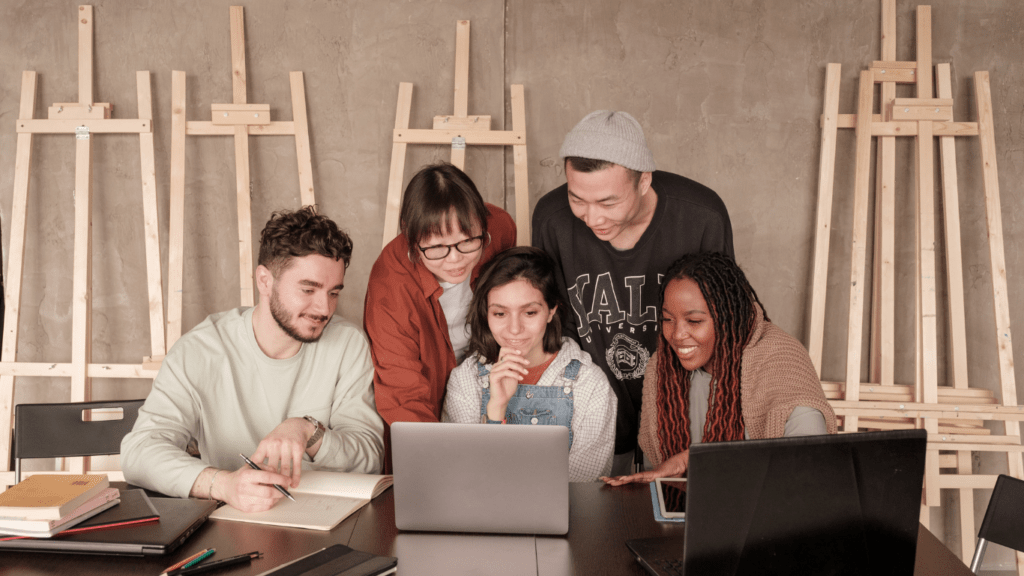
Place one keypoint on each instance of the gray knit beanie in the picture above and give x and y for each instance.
(611, 136)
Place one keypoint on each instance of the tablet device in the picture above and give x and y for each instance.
(671, 497)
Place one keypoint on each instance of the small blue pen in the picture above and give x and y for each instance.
(278, 486)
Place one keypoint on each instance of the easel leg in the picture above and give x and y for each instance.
(997, 259)
(954, 258)
(461, 109)
(81, 308)
(885, 208)
(237, 17)
(302, 139)
(966, 496)
(16, 264)
(176, 209)
(152, 228)
(926, 274)
(244, 215)
(823, 226)
(860, 224)
(883, 309)
(521, 168)
(394, 203)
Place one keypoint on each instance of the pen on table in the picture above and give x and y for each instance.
(185, 561)
(218, 564)
(193, 562)
(278, 486)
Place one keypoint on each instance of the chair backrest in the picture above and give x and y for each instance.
(56, 430)
(1002, 518)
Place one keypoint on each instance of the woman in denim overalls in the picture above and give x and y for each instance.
(521, 371)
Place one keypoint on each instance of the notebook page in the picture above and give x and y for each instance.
(314, 511)
(342, 484)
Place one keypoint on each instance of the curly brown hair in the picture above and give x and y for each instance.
(296, 233)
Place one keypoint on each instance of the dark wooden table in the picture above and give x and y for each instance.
(601, 520)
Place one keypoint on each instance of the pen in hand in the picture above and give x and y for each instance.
(278, 486)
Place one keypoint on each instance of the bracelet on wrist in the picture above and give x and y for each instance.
(212, 480)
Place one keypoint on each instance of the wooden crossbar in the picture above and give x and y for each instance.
(84, 120)
(240, 119)
(459, 130)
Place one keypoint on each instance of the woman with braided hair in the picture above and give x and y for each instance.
(723, 371)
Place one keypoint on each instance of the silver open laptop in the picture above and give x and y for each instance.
(481, 478)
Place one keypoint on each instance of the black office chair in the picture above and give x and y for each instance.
(58, 430)
(1002, 523)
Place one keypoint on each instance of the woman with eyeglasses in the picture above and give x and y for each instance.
(420, 288)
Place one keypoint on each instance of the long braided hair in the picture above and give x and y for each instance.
(730, 300)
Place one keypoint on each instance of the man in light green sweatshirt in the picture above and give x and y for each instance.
(286, 382)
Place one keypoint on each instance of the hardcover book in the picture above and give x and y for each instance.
(50, 496)
(16, 527)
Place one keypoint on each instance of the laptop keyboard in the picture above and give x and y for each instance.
(672, 567)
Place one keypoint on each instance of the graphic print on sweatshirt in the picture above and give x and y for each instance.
(617, 320)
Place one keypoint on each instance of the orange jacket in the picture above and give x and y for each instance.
(412, 354)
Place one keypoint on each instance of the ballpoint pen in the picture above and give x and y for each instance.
(217, 564)
(278, 486)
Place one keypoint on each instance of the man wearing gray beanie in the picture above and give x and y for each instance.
(613, 229)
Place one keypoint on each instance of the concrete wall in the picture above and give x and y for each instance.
(729, 94)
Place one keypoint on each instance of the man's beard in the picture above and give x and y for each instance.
(282, 316)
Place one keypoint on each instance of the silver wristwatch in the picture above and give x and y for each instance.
(318, 434)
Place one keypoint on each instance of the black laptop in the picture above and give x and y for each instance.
(824, 505)
(179, 518)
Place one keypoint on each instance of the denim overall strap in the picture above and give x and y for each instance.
(538, 405)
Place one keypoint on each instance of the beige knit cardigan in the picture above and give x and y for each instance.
(776, 375)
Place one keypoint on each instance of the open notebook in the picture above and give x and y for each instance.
(322, 500)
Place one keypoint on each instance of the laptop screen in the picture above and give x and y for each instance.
(840, 504)
(481, 478)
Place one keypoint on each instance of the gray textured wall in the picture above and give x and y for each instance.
(728, 92)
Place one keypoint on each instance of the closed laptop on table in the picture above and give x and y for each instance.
(840, 504)
(481, 478)
(179, 518)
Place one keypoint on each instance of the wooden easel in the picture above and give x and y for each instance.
(952, 415)
(83, 119)
(241, 120)
(459, 130)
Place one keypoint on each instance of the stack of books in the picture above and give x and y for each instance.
(45, 504)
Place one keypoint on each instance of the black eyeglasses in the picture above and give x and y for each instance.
(441, 251)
